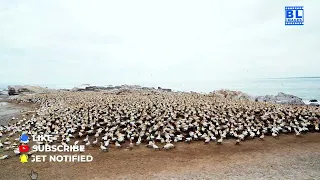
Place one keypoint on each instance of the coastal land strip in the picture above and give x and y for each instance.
(283, 157)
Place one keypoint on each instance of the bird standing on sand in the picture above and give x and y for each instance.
(102, 147)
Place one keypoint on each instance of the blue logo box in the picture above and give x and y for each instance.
(294, 16)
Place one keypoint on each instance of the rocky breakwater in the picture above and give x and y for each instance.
(280, 98)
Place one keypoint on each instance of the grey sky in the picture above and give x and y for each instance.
(154, 42)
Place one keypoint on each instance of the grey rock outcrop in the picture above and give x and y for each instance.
(17, 89)
(95, 88)
(314, 104)
(281, 98)
(235, 95)
(88, 87)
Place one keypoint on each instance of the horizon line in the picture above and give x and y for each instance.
(297, 77)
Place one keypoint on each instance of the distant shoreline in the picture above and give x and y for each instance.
(279, 98)
(311, 77)
(306, 90)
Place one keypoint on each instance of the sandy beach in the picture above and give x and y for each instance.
(8, 110)
(287, 157)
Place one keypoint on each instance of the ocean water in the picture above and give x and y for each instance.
(304, 87)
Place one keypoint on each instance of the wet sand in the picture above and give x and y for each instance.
(12, 109)
(287, 157)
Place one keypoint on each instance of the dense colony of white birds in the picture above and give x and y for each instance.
(161, 119)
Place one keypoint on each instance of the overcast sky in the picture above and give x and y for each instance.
(158, 42)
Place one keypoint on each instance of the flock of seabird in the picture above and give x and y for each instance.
(158, 120)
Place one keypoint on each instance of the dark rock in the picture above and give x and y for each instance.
(313, 100)
(168, 90)
(95, 88)
(314, 104)
(90, 88)
(77, 89)
(64, 89)
(12, 91)
(163, 89)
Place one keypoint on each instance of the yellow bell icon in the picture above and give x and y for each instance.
(23, 158)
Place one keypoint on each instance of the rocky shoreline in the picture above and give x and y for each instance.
(280, 98)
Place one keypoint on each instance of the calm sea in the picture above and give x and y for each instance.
(304, 87)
